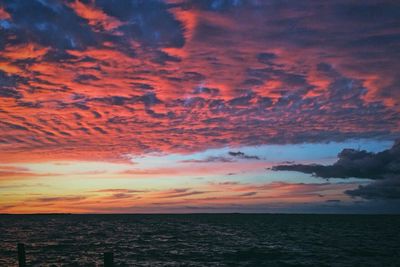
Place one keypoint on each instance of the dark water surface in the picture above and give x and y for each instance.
(203, 240)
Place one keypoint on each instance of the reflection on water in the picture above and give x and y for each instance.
(203, 240)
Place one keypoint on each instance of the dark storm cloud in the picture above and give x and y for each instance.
(388, 188)
(354, 163)
(383, 167)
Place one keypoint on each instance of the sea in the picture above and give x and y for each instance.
(202, 240)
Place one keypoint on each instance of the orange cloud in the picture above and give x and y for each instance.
(184, 78)
(96, 18)
(213, 195)
(24, 51)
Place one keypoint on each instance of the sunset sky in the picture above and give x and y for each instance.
(199, 106)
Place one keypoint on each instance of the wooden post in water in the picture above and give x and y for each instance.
(108, 259)
(21, 255)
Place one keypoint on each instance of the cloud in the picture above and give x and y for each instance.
(248, 194)
(120, 196)
(177, 193)
(52, 25)
(119, 193)
(7, 86)
(7, 207)
(60, 199)
(333, 201)
(232, 157)
(118, 190)
(242, 155)
(209, 159)
(13, 172)
(14, 168)
(96, 17)
(382, 167)
(354, 163)
(226, 193)
(388, 188)
(21, 186)
(101, 79)
(229, 183)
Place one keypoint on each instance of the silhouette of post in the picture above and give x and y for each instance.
(21, 255)
(108, 259)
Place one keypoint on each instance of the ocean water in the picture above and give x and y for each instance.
(203, 240)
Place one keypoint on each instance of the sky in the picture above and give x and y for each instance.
(183, 106)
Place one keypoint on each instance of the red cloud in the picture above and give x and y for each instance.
(110, 86)
(96, 18)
